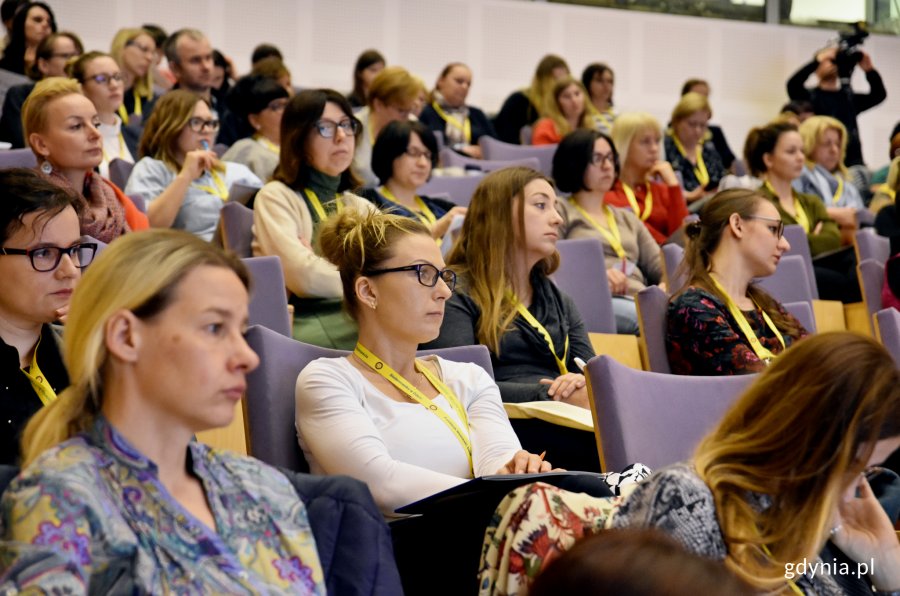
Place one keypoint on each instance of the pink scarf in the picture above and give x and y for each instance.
(101, 214)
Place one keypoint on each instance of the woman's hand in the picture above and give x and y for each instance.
(198, 161)
(618, 282)
(695, 195)
(664, 170)
(864, 532)
(570, 388)
(525, 463)
(441, 226)
(472, 151)
(844, 216)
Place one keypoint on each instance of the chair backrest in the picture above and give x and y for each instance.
(237, 228)
(789, 283)
(494, 149)
(870, 245)
(652, 309)
(582, 275)
(139, 202)
(803, 312)
(268, 298)
(653, 418)
(796, 237)
(242, 193)
(17, 158)
(459, 188)
(220, 149)
(889, 331)
(673, 255)
(452, 159)
(119, 171)
(871, 278)
(270, 391)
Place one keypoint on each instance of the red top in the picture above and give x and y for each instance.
(668, 211)
(545, 133)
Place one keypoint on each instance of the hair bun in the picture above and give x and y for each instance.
(693, 229)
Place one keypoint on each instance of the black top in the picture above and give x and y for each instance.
(11, 118)
(843, 104)
(711, 159)
(18, 401)
(439, 207)
(721, 145)
(517, 111)
(481, 126)
(525, 357)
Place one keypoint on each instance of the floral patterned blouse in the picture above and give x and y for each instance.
(702, 338)
(92, 515)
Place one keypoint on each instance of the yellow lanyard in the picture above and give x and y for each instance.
(607, 122)
(888, 191)
(700, 170)
(791, 583)
(123, 113)
(413, 393)
(268, 144)
(39, 382)
(220, 189)
(762, 352)
(424, 214)
(526, 314)
(317, 205)
(465, 126)
(839, 191)
(612, 235)
(801, 218)
(648, 201)
(106, 158)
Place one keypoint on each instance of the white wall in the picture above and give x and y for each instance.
(747, 64)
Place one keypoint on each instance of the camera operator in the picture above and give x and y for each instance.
(834, 96)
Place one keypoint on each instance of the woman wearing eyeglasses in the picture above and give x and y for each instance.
(135, 51)
(62, 127)
(41, 256)
(102, 83)
(259, 103)
(689, 152)
(179, 176)
(721, 323)
(311, 182)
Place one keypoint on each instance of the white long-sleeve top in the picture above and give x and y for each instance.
(403, 451)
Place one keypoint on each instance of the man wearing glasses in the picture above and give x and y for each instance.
(42, 254)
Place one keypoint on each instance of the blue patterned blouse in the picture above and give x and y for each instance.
(92, 515)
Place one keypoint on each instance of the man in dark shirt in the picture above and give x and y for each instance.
(834, 96)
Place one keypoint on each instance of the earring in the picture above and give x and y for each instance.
(373, 304)
(46, 168)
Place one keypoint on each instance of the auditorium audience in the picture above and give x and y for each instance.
(368, 64)
(505, 299)
(41, 256)
(182, 181)
(522, 108)
(135, 51)
(447, 112)
(598, 79)
(566, 111)
(584, 166)
(779, 481)
(721, 323)
(259, 103)
(117, 495)
(403, 156)
(32, 22)
(689, 152)
(312, 180)
(659, 204)
(62, 128)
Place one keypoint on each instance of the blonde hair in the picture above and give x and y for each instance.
(554, 112)
(690, 104)
(357, 242)
(171, 114)
(626, 127)
(813, 129)
(393, 85)
(123, 37)
(540, 92)
(139, 272)
(806, 426)
(34, 110)
(484, 254)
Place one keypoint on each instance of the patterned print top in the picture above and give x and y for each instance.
(92, 514)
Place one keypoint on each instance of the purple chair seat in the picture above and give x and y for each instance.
(268, 297)
(871, 280)
(236, 222)
(582, 275)
(17, 158)
(870, 245)
(889, 331)
(789, 283)
(494, 149)
(451, 159)
(652, 308)
(459, 188)
(796, 237)
(120, 171)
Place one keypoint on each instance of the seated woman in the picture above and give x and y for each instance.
(714, 133)
(41, 257)
(522, 108)
(179, 176)
(462, 125)
(660, 205)
(409, 428)
(32, 22)
(584, 166)
(62, 128)
(824, 174)
(780, 477)
(506, 301)
(259, 103)
(368, 64)
(402, 158)
(565, 112)
(689, 151)
(50, 61)
(774, 153)
(117, 494)
(392, 96)
(101, 82)
(318, 134)
(720, 323)
(135, 52)
(598, 79)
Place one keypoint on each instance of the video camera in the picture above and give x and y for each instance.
(848, 50)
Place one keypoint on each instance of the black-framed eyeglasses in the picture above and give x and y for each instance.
(598, 159)
(199, 124)
(327, 128)
(107, 79)
(47, 258)
(777, 230)
(427, 273)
